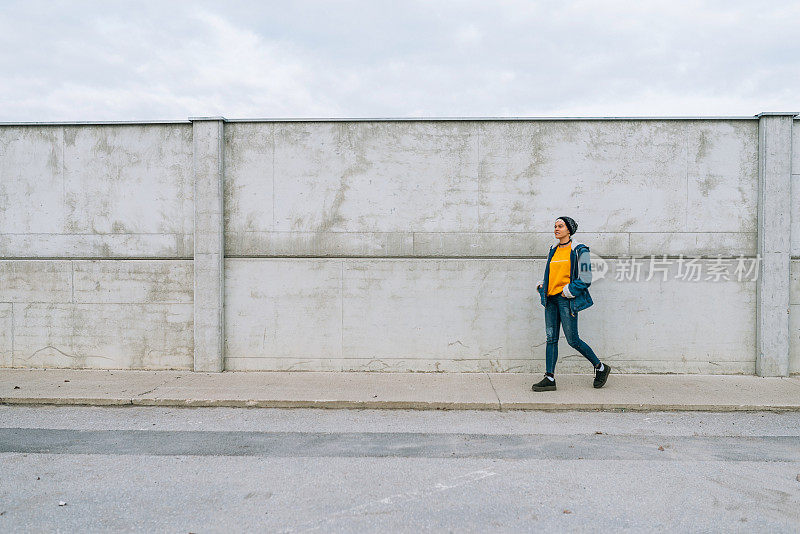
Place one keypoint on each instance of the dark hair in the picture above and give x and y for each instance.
(572, 226)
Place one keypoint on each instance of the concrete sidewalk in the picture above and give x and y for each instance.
(472, 391)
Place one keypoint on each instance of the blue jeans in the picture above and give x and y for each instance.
(556, 314)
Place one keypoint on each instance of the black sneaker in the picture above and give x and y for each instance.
(545, 385)
(600, 377)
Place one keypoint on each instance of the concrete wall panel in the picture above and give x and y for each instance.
(604, 173)
(96, 191)
(36, 281)
(31, 180)
(96, 314)
(120, 246)
(103, 336)
(722, 178)
(504, 244)
(381, 177)
(473, 315)
(357, 244)
(152, 281)
(249, 178)
(283, 308)
(448, 188)
(128, 179)
(443, 309)
(699, 243)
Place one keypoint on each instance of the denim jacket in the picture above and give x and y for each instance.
(577, 291)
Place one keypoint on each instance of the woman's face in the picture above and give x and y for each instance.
(561, 229)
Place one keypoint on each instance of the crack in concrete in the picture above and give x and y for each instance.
(164, 383)
(397, 498)
(63, 353)
(499, 404)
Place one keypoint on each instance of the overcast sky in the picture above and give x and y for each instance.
(143, 60)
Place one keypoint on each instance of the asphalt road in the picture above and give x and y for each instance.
(151, 469)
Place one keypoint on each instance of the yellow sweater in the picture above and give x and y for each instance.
(559, 270)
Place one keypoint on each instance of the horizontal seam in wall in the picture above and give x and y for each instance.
(361, 257)
(98, 233)
(487, 257)
(94, 302)
(685, 233)
(387, 257)
(91, 258)
(456, 232)
(472, 359)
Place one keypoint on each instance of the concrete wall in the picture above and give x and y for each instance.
(95, 246)
(377, 245)
(458, 211)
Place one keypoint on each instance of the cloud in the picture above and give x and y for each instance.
(169, 60)
(468, 34)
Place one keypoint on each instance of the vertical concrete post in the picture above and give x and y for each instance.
(209, 240)
(774, 239)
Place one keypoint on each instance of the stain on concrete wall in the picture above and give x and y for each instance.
(31, 181)
(96, 191)
(439, 187)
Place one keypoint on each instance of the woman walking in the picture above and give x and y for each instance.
(564, 292)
